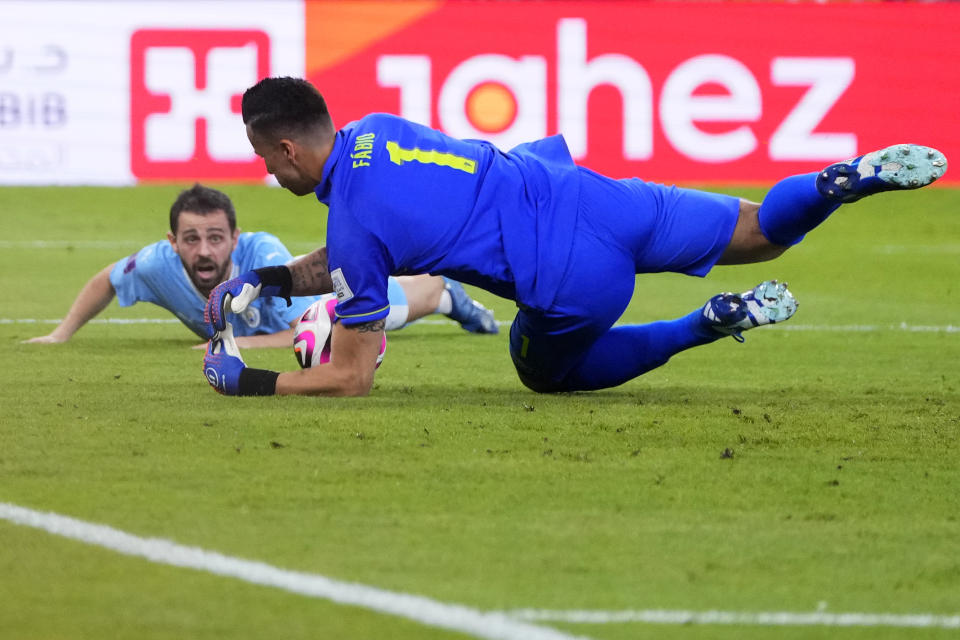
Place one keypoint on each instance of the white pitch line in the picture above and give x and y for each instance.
(71, 244)
(740, 618)
(94, 321)
(494, 625)
(124, 245)
(868, 328)
(453, 617)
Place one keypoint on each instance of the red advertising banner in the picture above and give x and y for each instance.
(671, 92)
(157, 92)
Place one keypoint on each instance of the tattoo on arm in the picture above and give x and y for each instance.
(370, 327)
(311, 275)
(318, 265)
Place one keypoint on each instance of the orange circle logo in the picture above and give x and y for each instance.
(491, 107)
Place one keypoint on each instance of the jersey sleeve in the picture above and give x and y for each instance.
(359, 267)
(127, 279)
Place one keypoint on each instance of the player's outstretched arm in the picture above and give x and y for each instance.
(270, 340)
(354, 352)
(311, 275)
(263, 341)
(92, 299)
(353, 360)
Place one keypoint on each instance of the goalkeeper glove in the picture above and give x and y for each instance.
(235, 294)
(224, 369)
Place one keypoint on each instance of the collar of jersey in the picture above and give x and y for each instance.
(323, 189)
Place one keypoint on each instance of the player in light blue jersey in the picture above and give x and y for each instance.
(563, 242)
(204, 247)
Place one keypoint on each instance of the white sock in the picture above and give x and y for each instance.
(445, 305)
(397, 317)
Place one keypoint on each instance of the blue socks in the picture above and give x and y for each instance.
(793, 207)
(623, 353)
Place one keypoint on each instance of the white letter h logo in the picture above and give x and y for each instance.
(201, 93)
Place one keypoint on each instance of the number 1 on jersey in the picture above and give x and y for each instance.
(399, 155)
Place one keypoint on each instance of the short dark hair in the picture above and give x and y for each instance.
(202, 200)
(282, 107)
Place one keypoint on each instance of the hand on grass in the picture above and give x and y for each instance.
(223, 364)
(50, 338)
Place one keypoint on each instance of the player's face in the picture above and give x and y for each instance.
(280, 159)
(204, 243)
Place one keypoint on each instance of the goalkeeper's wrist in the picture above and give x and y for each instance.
(277, 280)
(257, 382)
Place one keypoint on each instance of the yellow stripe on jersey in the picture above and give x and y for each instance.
(399, 155)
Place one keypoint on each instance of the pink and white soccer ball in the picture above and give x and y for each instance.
(311, 338)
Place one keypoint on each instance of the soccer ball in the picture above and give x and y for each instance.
(311, 338)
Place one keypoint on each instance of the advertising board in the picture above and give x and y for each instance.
(119, 92)
(668, 91)
(99, 92)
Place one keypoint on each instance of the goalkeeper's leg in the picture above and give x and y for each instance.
(798, 204)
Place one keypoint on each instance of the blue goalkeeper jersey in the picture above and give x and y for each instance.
(156, 274)
(407, 199)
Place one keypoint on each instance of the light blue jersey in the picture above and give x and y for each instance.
(156, 274)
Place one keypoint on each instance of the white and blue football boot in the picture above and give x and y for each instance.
(731, 313)
(902, 166)
(472, 316)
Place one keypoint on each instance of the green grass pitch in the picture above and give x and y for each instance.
(815, 467)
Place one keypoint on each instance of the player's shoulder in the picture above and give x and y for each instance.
(376, 127)
(377, 119)
(257, 238)
(258, 248)
(158, 257)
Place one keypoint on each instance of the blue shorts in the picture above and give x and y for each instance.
(624, 227)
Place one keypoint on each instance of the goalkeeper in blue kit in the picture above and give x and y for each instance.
(529, 225)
